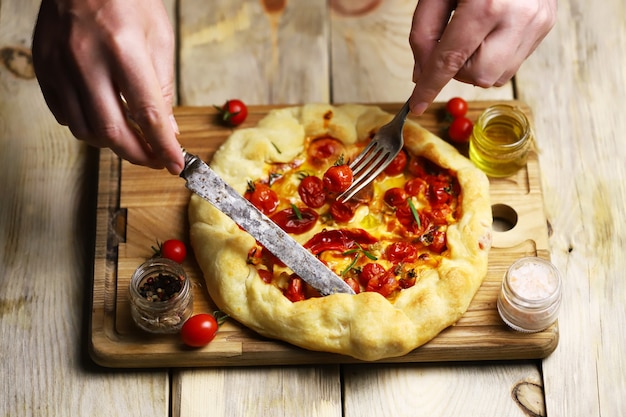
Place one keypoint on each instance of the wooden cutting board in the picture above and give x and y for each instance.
(138, 206)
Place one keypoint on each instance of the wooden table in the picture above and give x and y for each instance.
(307, 51)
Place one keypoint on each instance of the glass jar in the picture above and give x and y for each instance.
(500, 141)
(530, 297)
(160, 296)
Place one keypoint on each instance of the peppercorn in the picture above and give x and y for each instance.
(161, 287)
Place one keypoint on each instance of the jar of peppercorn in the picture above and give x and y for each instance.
(160, 296)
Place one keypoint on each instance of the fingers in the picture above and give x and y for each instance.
(484, 42)
(462, 36)
(429, 21)
(84, 64)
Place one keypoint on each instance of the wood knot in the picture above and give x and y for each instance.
(529, 397)
(274, 6)
(354, 8)
(19, 61)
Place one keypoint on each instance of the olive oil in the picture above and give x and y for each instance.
(500, 141)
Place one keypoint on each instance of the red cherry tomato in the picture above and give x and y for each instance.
(435, 239)
(337, 178)
(295, 289)
(173, 249)
(371, 271)
(416, 186)
(384, 284)
(397, 165)
(233, 112)
(456, 107)
(262, 197)
(353, 283)
(342, 212)
(395, 197)
(460, 129)
(296, 220)
(401, 251)
(199, 330)
(440, 192)
(407, 219)
(311, 191)
(322, 150)
(265, 275)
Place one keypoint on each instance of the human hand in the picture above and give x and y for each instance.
(484, 43)
(89, 54)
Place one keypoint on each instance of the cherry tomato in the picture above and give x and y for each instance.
(401, 251)
(322, 150)
(435, 239)
(233, 112)
(296, 220)
(199, 330)
(337, 178)
(371, 271)
(395, 197)
(416, 186)
(265, 275)
(342, 212)
(384, 284)
(295, 289)
(460, 129)
(173, 249)
(262, 197)
(456, 107)
(407, 219)
(311, 191)
(397, 165)
(353, 283)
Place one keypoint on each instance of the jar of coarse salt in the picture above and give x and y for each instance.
(531, 295)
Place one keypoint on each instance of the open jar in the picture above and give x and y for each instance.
(161, 299)
(500, 141)
(530, 297)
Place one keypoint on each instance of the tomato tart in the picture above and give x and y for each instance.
(413, 244)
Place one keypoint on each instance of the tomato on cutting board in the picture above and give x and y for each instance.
(200, 330)
(172, 249)
(233, 112)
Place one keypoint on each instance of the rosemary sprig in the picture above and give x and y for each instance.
(416, 215)
(296, 211)
(349, 267)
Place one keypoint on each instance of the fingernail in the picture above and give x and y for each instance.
(174, 168)
(174, 124)
(419, 108)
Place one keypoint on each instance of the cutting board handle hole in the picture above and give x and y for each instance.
(504, 217)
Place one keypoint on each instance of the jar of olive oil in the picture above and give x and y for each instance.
(500, 141)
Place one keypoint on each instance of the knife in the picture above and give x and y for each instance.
(203, 181)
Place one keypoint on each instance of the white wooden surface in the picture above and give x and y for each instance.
(575, 83)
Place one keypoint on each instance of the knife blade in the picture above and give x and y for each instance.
(205, 182)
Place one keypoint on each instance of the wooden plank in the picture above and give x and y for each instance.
(46, 229)
(372, 60)
(511, 389)
(576, 82)
(270, 391)
(264, 55)
(262, 52)
(479, 335)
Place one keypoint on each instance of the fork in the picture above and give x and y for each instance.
(382, 149)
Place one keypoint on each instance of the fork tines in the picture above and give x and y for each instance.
(365, 167)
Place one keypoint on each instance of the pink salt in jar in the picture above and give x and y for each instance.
(531, 295)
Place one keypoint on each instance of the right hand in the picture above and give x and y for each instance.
(89, 54)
